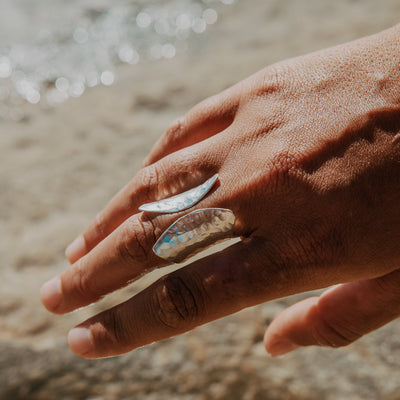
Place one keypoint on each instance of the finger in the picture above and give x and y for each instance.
(205, 290)
(124, 256)
(159, 180)
(121, 257)
(207, 118)
(339, 317)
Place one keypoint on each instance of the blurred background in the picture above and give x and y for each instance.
(86, 87)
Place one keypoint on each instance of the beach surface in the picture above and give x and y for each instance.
(60, 166)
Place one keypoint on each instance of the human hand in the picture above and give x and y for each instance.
(308, 157)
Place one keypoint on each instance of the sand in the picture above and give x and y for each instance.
(60, 166)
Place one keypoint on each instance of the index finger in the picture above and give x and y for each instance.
(209, 117)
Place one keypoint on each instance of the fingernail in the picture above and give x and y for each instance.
(80, 340)
(282, 347)
(50, 294)
(76, 249)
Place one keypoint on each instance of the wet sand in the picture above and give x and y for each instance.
(59, 167)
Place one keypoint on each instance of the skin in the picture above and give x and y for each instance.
(308, 157)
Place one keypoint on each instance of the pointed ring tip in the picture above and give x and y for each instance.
(181, 201)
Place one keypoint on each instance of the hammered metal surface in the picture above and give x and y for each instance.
(181, 201)
(194, 232)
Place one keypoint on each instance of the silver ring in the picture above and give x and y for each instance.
(181, 201)
(195, 231)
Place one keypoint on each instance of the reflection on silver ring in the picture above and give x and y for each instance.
(181, 201)
(195, 232)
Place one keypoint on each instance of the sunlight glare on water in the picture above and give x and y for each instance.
(51, 50)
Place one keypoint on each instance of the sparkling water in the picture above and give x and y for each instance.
(51, 50)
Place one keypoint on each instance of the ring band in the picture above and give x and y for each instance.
(195, 232)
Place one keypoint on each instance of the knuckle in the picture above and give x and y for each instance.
(208, 108)
(99, 224)
(334, 334)
(111, 333)
(275, 79)
(148, 177)
(388, 287)
(174, 131)
(98, 227)
(176, 304)
(83, 283)
(271, 83)
(113, 327)
(136, 240)
(149, 183)
(281, 169)
(283, 161)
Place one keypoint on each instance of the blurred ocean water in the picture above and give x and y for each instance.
(51, 50)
